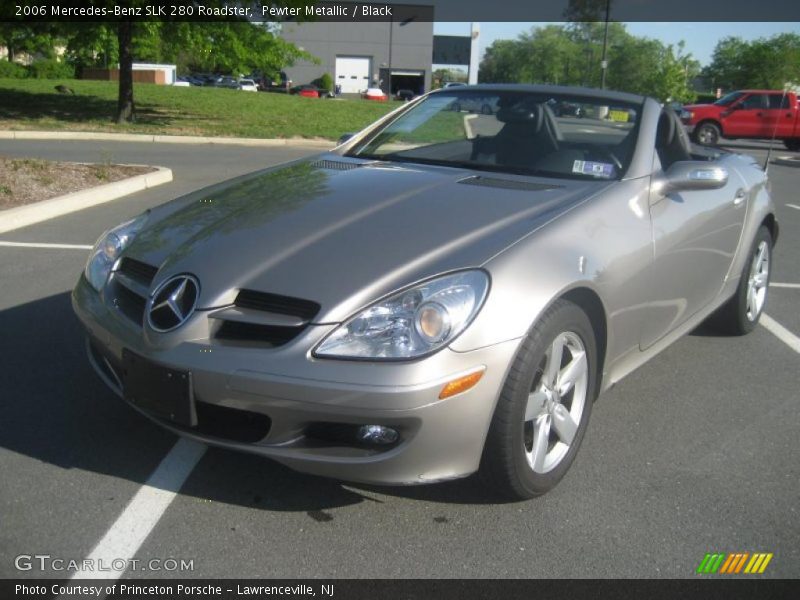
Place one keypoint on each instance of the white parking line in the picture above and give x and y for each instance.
(54, 246)
(780, 332)
(126, 535)
(785, 285)
(793, 206)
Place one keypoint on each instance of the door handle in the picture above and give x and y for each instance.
(759, 114)
(739, 198)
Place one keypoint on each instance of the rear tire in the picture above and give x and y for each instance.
(544, 407)
(707, 134)
(792, 144)
(740, 314)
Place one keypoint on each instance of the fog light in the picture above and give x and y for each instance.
(376, 434)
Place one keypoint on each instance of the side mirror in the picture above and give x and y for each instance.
(345, 138)
(693, 175)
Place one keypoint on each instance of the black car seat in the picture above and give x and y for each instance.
(672, 144)
(525, 138)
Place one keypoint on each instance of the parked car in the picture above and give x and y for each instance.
(750, 114)
(475, 103)
(451, 84)
(456, 301)
(376, 94)
(307, 91)
(404, 95)
(247, 85)
(181, 82)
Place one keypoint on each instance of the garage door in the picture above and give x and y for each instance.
(352, 73)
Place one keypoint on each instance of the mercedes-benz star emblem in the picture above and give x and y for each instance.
(173, 302)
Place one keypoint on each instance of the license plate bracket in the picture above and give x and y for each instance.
(164, 392)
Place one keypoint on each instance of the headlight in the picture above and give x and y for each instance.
(686, 115)
(107, 249)
(411, 323)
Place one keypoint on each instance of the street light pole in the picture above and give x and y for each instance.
(604, 61)
(389, 74)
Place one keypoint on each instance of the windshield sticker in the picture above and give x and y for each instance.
(595, 169)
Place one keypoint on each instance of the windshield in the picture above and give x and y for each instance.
(515, 132)
(729, 98)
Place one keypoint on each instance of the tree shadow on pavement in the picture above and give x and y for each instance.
(78, 108)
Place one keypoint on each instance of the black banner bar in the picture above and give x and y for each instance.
(716, 588)
(400, 10)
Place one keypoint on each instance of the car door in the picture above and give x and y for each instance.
(779, 117)
(746, 117)
(695, 237)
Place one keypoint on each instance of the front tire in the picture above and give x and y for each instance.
(544, 407)
(707, 134)
(740, 314)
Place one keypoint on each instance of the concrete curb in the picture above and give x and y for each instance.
(22, 216)
(787, 161)
(161, 139)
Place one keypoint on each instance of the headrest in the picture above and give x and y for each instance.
(665, 131)
(523, 112)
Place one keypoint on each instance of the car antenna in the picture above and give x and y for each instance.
(774, 131)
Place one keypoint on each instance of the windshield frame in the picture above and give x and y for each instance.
(357, 150)
(735, 97)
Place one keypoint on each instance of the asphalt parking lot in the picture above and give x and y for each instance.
(696, 452)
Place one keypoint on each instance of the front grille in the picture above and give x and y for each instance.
(129, 287)
(231, 423)
(259, 319)
(129, 303)
(141, 272)
(283, 305)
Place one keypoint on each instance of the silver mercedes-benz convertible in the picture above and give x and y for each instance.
(447, 291)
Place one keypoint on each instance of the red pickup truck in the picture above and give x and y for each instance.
(746, 114)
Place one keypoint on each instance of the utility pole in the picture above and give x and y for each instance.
(389, 74)
(474, 53)
(604, 61)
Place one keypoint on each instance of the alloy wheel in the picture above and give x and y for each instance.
(757, 281)
(556, 402)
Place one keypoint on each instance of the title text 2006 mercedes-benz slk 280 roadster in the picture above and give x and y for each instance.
(446, 292)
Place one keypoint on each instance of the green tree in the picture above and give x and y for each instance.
(675, 72)
(763, 63)
(234, 46)
(570, 55)
(28, 37)
(727, 64)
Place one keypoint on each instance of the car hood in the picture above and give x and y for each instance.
(343, 232)
(697, 107)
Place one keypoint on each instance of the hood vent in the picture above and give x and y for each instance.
(336, 165)
(508, 184)
(264, 319)
(283, 305)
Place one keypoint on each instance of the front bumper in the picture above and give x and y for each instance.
(286, 405)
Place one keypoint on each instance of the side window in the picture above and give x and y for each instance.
(754, 101)
(778, 101)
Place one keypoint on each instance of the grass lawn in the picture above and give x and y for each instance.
(35, 104)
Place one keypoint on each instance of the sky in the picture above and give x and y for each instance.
(700, 38)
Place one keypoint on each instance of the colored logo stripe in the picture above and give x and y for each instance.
(734, 562)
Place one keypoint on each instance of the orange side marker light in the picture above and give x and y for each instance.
(460, 385)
